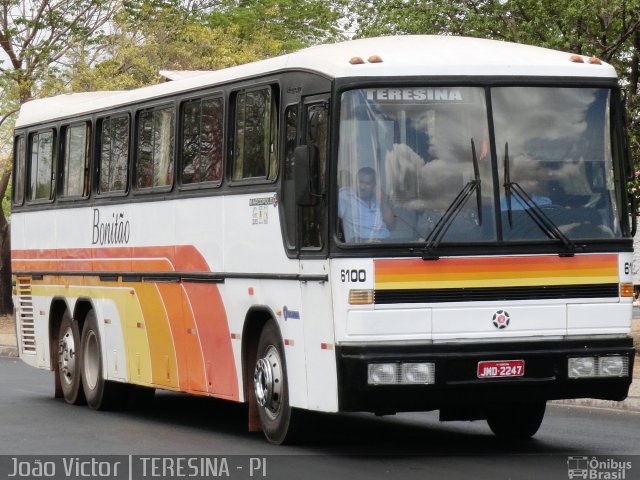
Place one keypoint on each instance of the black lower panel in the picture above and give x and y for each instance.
(456, 381)
(540, 292)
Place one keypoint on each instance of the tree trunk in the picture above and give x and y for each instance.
(635, 60)
(6, 305)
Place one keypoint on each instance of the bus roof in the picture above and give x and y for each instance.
(417, 55)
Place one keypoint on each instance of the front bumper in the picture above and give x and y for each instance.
(456, 382)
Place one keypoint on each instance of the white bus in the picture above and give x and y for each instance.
(383, 225)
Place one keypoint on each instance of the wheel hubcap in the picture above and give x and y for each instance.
(91, 360)
(267, 381)
(67, 356)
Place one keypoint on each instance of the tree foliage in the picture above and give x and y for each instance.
(609, 29)
(156, 35)
(294, 23)
(51, 46)
(36, 37)
(602, 27)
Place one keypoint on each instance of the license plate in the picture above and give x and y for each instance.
(501, 368)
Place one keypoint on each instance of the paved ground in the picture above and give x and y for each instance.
(8, 349)
(355, 446)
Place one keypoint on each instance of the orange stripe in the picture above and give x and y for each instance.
(557, 268)
(414, 277)
(550, 259)
(196, 308)
(213, 329)
(195, 354)
(498, 263)
(464, 268)
(172, 298)
(459, 269)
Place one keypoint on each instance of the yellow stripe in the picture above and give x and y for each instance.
(534, 276)
(137, 349)
(523, 282)
(158, 332)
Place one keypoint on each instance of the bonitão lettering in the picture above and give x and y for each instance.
(115, 231)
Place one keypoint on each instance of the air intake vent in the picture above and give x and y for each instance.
(542, 292)
(24, 311)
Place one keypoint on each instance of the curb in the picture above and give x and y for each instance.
(631, 404)
(7, 351)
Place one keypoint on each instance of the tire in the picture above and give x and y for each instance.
(100, 394)
(517, 420)
(69, 359)
(271, 388)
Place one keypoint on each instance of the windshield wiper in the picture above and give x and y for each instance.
(446, 220)
(541, 219)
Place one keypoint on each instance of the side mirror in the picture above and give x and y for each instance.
(307, 176)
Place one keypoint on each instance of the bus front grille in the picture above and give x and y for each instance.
(479, 294)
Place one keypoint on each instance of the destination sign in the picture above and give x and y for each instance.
(414, 94)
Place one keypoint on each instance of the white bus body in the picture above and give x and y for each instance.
(218, 274)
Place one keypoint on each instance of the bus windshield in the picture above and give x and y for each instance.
(415, 165)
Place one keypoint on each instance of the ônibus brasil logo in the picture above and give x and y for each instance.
(501, 319)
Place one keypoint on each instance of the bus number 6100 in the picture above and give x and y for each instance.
(353, 275)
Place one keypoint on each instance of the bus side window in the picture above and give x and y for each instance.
(255, 134)
(19, 160)
(75, 167)
(114, 154)
(42, 163)
(155, 148)
(201, 140)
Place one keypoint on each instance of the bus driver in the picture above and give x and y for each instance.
(366, 214)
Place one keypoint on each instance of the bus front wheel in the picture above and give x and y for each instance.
(517, 420)
(271, 387)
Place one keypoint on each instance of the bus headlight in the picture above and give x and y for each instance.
(383, 373)
(401, 373)
(580, 367)
(418, 372)
(614, 366)
(592, 367)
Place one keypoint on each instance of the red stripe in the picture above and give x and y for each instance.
(182, 258)
(209, 315)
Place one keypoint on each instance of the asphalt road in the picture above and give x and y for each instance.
(352, 446)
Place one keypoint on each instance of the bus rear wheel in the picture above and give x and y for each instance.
(271, 388)
(100, 394)
(68, 365)
(517, 420)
